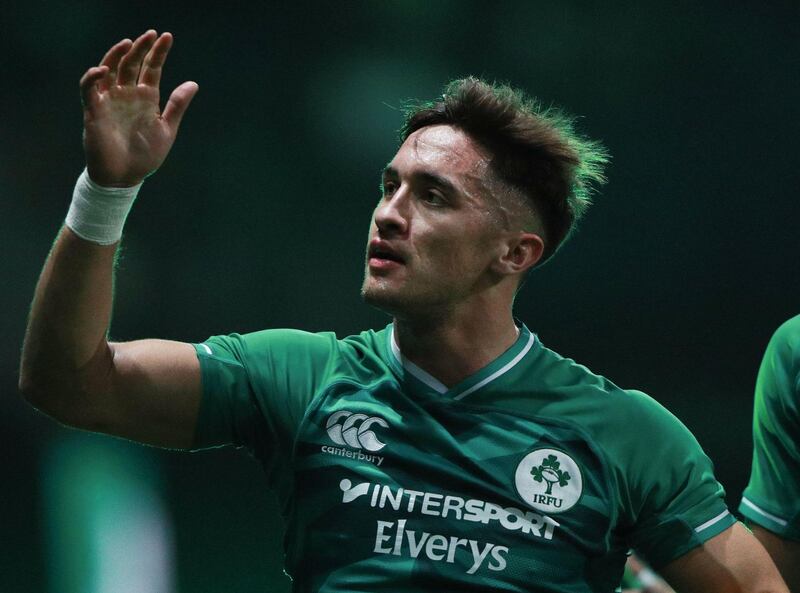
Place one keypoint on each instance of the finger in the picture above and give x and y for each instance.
(112, 58)
(154, 61)
(88, 84)
(178, 103)
(131, 62)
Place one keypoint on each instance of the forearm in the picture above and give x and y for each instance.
(147, 390)
(65, 347)
(785, 554)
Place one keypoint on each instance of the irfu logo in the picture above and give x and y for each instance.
(549, 480)
(549, 472)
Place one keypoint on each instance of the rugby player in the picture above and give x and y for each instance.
(771, 501)
(449, 451)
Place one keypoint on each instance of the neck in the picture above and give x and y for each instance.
(454, 346)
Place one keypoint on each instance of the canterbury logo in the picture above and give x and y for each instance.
(355, 430)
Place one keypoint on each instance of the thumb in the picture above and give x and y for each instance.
(178, 103)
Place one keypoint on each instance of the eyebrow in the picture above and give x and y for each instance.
(425, 176)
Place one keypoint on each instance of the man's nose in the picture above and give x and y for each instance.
(391, 215)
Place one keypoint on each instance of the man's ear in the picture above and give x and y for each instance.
(522, 252)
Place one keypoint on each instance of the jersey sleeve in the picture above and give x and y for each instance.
(673, 501)
(772, 496)
(256, 388)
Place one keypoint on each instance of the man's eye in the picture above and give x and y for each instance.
(433, 198)
(388, 188)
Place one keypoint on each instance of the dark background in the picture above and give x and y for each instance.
(676, 279)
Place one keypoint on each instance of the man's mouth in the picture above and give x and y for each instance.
(381, 255)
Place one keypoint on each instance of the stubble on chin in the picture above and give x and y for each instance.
(372, 292)
(377, 295)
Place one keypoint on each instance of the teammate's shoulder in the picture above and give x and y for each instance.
(783, 351)
(788, 334)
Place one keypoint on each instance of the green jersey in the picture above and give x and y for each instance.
(532, 475)
(772, 498)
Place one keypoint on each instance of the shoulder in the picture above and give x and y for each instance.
(292, 342)
(550, 371)
(785, 341)
(367, 342)
(661, 481)
(602, 399)
(789, 331)
(279, 351)
(784, 346)
(266, 347)
(779, 374)
(625, 423)
(646, 408)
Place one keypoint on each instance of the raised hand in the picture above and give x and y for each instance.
(126, 137)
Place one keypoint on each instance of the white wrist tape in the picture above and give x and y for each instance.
(647, 578)
(98, 213)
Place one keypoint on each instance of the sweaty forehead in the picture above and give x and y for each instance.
(446, 149)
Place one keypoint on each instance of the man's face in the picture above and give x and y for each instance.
(434, 232)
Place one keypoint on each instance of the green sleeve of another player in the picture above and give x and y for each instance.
(673, 502)
(772, 497)
(256, 388)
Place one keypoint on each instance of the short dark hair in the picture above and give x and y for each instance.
(534, 149)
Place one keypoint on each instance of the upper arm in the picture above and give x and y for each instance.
(257, 387)
(731, 562)
(672, 506)
(254, 390)
(148, 391)
(771, 498)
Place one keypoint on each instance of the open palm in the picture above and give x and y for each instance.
(126, 136)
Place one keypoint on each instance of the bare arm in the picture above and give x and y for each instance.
(731, 562)
(146, 390)
(785, 554)
(650, 581)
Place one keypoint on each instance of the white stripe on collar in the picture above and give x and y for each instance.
(510, 365)
(440, 387)
(419, 373)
